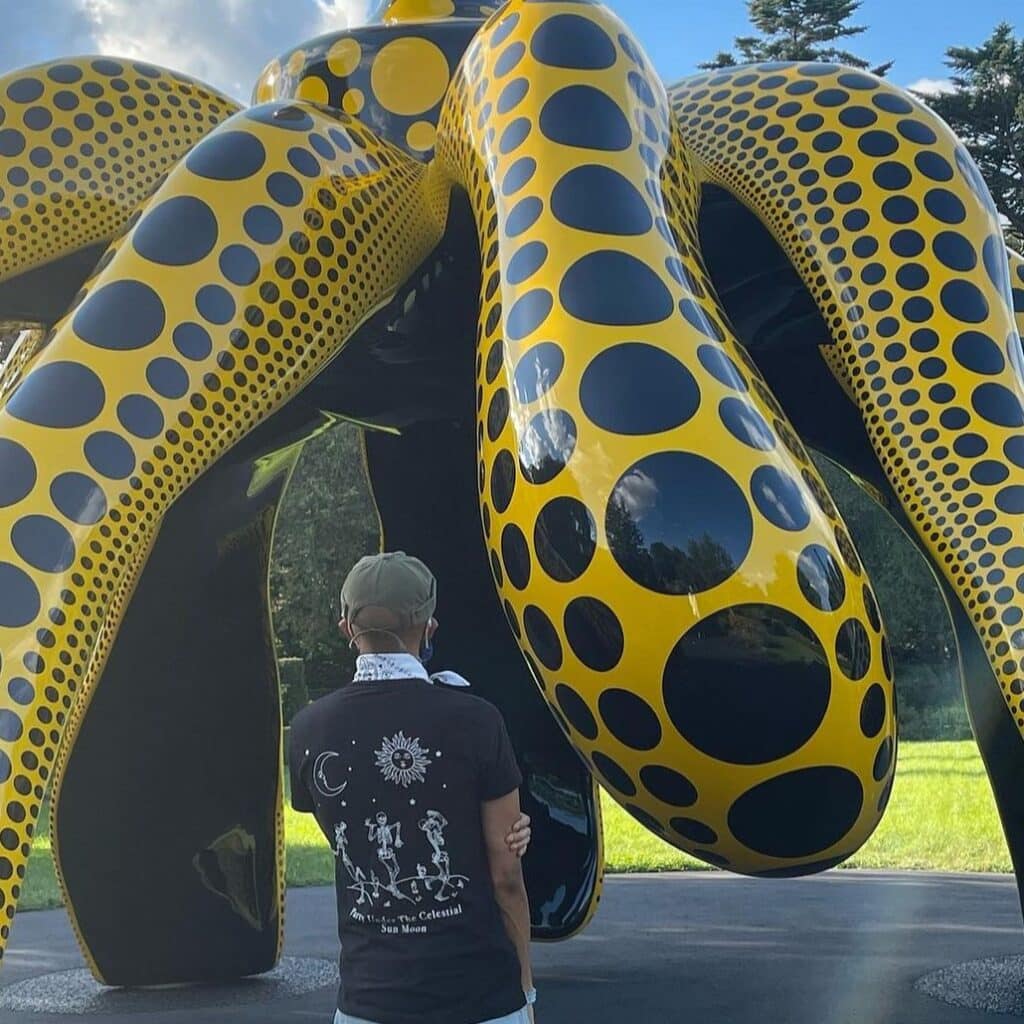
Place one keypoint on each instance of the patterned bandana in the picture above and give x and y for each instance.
(381, 667)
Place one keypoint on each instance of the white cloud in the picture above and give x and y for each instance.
(638, 492)
(932, 86)
(223, 42)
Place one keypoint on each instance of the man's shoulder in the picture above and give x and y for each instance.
(318, 709)
(458, 699)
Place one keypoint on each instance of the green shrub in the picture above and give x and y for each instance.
(948, 722)
(294, 692)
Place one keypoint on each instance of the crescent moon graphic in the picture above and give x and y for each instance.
(320, 775)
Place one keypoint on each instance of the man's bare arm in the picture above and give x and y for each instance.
(507, 877)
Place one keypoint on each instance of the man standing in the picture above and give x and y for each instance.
(446, 943)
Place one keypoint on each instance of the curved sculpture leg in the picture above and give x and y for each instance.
(999, 742)
(167, 795)
(621, 550)
(209, 315)
(83, 143)
(891, 227)
(564, 866)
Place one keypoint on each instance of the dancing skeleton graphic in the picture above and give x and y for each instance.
(443, 886)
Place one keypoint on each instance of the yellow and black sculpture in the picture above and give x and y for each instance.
(677, 291)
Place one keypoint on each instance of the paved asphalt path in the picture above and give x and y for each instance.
(702, 948)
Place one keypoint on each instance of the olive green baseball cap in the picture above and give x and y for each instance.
(392, 580)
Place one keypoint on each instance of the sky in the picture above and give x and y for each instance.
(227, 42)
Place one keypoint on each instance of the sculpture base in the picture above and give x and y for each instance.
(77, 992)
(995, 985)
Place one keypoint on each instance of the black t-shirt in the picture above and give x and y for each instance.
(395, 773)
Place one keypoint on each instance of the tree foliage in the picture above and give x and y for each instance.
(798, 30)
(326, 523)
(986, 110)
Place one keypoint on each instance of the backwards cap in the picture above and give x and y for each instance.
(393, 580)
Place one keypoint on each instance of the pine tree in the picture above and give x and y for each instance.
(798, 30)
(986, 110)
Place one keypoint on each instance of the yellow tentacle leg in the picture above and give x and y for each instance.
(889, 223)
(211, 312)
(687, 594)
(83, 142)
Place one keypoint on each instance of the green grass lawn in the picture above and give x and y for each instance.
(940, 787)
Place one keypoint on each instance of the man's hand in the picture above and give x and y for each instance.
(519, 836)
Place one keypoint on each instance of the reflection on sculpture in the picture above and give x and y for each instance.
(677, 291)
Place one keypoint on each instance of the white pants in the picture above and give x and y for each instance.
(519, 1017)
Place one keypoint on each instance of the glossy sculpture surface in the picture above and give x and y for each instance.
(591, 326)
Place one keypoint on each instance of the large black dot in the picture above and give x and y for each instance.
(17, 472)
(576, 711)
(694, 830)
(614, 774)
(964, 301)
(635, 388)
(192, 340)
(798, 814)
(19, 599)
(516, 556)
(503, 480)
(227, 156)
(43, 543)
(594, 633)
(668, 785)
(543, 637)
(630, 719)
(678, 524)
(79, 498)
(978, 352)
(281, 115)
(546, 445)
(614, 288)
(537, 370)
(748, 684)
(121, 315)
(746, 424)
(262, 224)
(167, 377)
(239, 264)
(587, 118)
(110, 454)
(564, 538)
(527, 313)
(853, 649)
(175, 233)
(574, 42)
(997, 404)
(872, 711)
(820, 578)
(525, 262)
(883, 759)
(778, 498)
(140, 416)
(215, 304)
(600, 200)
(58, 394)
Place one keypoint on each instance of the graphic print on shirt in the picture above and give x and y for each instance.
(320, 780)
(441, 885)
(402, 760)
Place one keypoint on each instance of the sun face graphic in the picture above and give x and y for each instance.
(402, 760)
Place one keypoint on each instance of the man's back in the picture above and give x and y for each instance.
(395, 772)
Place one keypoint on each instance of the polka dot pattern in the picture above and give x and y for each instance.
(211, 311)
(394, 82)
(919, 294)
(655, 524)
(96, 138)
